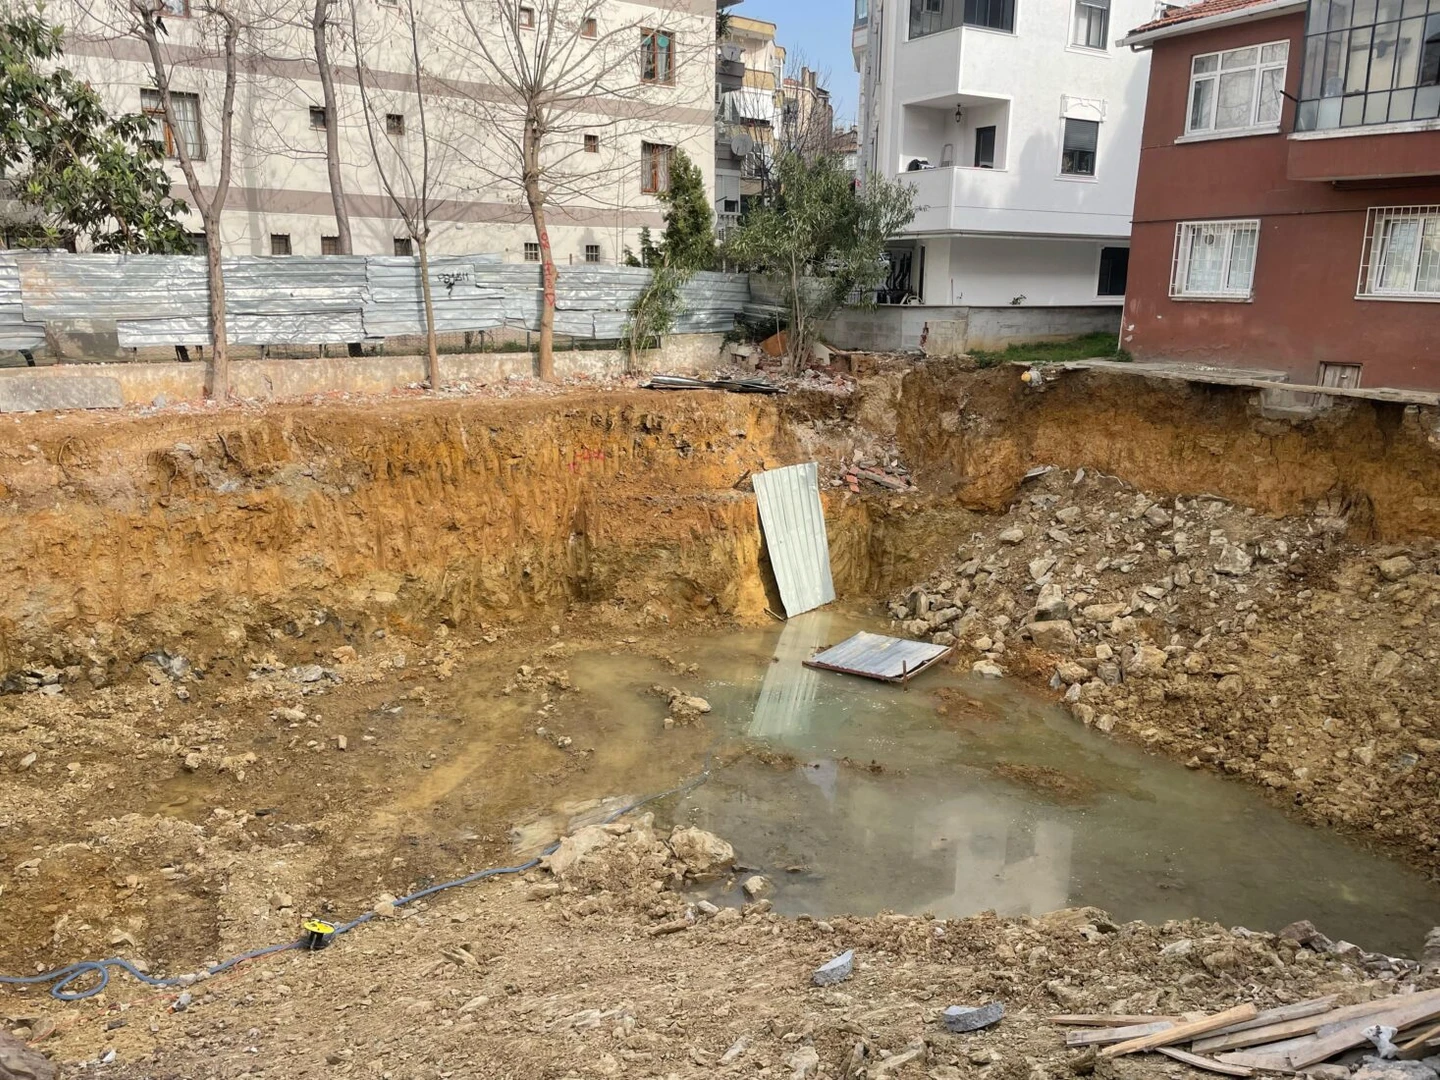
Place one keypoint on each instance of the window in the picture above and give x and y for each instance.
(862, 12)
(732, 206)
(532, 251)
(1369, 64)
(394, 123)
(589, 28)
(1092, 24)
(180, 9)
(1239, 89)
(279, 243)
(1215, 260)
(1401, 256)
(657, 57)
(404, 246)
(592, 144)
(1114, 270)
(985, 147)
(654, 168)
(526, 17)
(592, 253)
(317, 118)
(187, 118)
(1077, 157)
(329, 245)
(935, 16)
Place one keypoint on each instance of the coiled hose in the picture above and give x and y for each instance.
(62, 977)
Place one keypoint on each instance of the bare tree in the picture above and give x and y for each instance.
(562, 77)
(411, 186)
(319, 26)
(149, 18)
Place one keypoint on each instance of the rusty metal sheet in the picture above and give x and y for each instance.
(875, 656)
(794, 526)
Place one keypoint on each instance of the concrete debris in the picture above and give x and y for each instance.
(703, 853)
(757, 886)
(959, 1019)
(803, 1063)
(1396, 568)
(1234, 560)
(1394, 1070)
(836, 970)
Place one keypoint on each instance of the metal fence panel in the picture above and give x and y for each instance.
(795, 538)
(15, 332)
(303, 300)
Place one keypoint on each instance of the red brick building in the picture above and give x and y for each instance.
(1287, 214)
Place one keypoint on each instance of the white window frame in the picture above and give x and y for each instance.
(1075, 25)
(1213, 77)
(1185, 235)
(1374, 257)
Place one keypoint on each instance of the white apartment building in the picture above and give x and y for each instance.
(1018, 122)
(610, 160)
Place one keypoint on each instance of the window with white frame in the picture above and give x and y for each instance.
(1401, 256)
(1092, 24)
(1214, 260)
(1238, 89)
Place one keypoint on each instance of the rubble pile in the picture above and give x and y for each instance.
(1275, 650)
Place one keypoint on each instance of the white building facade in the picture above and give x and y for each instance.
(1018, 123)
(611, 159)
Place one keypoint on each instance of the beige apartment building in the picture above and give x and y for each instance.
(649, 87)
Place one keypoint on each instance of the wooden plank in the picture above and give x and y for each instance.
(1304, 1026)
(1104, 1019)
(1257, 1058)
(1195, 1061)
(1407, 1010)
(1298, 1011)
(1183, 1032)
(1418, 1047)
(1101, 1036)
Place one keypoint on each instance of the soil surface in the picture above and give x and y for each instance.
(239, 648)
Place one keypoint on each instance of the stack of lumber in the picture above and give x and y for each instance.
(1243, 1039)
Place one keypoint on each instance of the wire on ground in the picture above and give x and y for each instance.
(62, 977)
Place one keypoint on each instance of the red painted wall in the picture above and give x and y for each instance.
(1304, 310)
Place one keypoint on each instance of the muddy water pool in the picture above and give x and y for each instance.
(959, 795)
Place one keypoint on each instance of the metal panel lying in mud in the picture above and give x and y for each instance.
(875, 656)
(794, 526)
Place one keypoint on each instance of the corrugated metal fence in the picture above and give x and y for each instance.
(313, 300)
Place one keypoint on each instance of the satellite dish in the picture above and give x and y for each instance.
(742, 144)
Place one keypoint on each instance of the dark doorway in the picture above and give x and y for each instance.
(1114, 270)
(985, 147)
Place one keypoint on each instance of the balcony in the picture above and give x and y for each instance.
(927, 69)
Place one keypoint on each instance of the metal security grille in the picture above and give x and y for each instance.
(1400, 259)
(1215, 259)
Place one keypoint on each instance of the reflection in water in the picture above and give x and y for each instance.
(897, 806)
(787, 696)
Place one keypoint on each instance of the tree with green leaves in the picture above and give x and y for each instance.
(823, 239)
(686, 247)
(73, 171)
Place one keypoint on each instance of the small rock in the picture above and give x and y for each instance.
(1396, 568)
(309, 673)
(1157, 516)
(835, 971)
(1055, 636)
(1234, 560)
(183, 1001)
(705, 907)
(1068, 515)
(281, 900)
(341, 742)
(26, 761)
(987, 669)
(1051, 604)
(289, 715)
(1012, 536)
(959, 1019)
(1040, 567)
(703, 853)
(193, 760)
(1394, 1070)
(803, 1063)
(19, 1062)
(756, 886)
(543, 891)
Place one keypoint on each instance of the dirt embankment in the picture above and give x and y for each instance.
(974, 434)
(129, 534)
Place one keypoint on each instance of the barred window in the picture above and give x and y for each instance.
(1215, 260)
(1401, 256)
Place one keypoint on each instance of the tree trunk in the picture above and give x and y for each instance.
(432, 350)
(217, 375)
(332, 129)
(548, 279)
